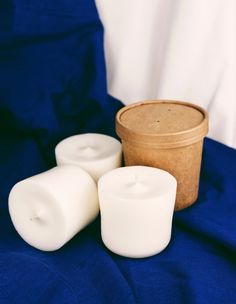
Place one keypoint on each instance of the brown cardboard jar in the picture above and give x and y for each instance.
(166, 134)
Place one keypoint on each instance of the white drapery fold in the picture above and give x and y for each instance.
(174, 49)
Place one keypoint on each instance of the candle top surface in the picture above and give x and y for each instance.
(161, 117)
(88, 147)
(137, 182)
(36, 215)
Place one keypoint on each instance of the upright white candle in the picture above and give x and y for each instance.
(48, 209)
(95, 153)
(136, 206)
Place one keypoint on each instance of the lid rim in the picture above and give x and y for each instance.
(167, 145)
(201, 128)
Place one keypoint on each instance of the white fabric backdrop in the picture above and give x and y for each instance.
(174, 49)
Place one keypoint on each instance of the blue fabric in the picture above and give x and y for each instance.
(52, 82)
(52, 85)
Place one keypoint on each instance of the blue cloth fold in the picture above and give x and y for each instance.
(53, 85)
(198, 266)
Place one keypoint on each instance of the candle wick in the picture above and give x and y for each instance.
(85, 147)
(34, 217)
(89, 147)
(135, 179)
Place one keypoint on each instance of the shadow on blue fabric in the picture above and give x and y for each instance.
(53, 85)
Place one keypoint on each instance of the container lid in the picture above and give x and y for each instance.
(162, 123)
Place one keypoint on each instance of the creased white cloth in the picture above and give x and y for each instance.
(174, 49)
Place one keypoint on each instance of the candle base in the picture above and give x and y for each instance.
(134, 254)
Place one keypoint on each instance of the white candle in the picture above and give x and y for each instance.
(95, 153)
(136, 206)
(48, 209)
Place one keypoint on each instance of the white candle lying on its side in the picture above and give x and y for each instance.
(48, 209)
(136, 206)
(95, 153)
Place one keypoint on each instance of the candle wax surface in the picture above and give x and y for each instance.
(95, 153)
(136, 206)
(138, 182)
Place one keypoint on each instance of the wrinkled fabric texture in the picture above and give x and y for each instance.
(198, 266)
(53, 85)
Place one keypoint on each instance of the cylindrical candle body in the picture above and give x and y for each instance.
(95, 153)
(136, 206)
(48, 209)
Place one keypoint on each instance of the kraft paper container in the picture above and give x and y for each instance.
(165, 134)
